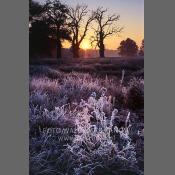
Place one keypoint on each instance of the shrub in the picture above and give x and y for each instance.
(135, 95)
(44, 71)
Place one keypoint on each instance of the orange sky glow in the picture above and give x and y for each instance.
(131, 18)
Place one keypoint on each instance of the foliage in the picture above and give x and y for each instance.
(35, 9)
(39, 41)
(128, 47)
(141, 51)
(49, 26)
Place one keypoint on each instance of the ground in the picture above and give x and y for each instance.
(106, 94)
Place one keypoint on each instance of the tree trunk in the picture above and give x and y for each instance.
(58, 45)
(102, 50)
(59, 55)
(101, 45)
(75, 50)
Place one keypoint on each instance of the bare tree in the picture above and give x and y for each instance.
(106, 27)
(80, 20)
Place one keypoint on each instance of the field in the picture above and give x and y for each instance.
(87, 117)
(109, 66)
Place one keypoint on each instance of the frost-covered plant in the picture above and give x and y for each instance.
(38, 97)
(44, 84)
(108, 138)
(93, 149)
(45, 71)
(93, 146)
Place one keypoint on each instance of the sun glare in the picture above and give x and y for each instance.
(85, 45)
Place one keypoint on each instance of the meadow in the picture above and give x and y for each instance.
(96, 107)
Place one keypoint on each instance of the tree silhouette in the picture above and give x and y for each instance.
(141, 51)
(56, 16)
(106, 27)
(35, 9)
(39, 42)
(39, 30)
(128, 47)
(79, 26)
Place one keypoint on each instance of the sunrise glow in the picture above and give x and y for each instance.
(85, 45)
(131, 18)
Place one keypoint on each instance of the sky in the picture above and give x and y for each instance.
(131, 18)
